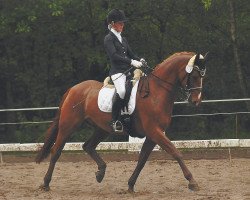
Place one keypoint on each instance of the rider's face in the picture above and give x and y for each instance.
(118, 26)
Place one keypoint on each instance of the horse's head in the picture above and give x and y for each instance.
(195, 71)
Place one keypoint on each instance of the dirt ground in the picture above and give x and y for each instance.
(74, 178)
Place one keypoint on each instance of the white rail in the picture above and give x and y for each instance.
(180, 102)
(134, 146)
(216, 100)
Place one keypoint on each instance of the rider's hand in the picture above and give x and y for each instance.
(136, 63)
(142, 60)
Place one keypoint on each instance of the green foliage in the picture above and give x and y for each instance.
(207, 3)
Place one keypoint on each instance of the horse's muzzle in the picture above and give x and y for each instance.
(194, 100)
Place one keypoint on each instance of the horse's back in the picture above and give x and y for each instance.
(80, 92)
(85, 88)
(86, 85)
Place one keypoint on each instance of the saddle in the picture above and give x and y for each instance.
(130, 83)
(106, 95)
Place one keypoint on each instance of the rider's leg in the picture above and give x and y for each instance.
(119, 82)
(116, 111)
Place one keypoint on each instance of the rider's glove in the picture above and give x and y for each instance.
(136, 63)
(143, 61)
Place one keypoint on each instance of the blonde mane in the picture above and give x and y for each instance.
(178, 54)
(174, 56)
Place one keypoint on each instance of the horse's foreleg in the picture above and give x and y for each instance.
(55, 154)
(169, 147)
(147, 148)
(90, 145)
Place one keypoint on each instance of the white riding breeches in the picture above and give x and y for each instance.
(119, 81)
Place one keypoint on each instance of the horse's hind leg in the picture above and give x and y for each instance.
(90, 145)
(55, 154)
(147, 148)
(160, 138)
(66, 128)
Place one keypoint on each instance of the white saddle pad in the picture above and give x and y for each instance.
(105, 99)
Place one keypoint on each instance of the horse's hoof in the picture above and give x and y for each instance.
(100, 175)
(193, 186)
(44, 188)
(131, 190)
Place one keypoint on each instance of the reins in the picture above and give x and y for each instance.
(145, 65)
(186, 89)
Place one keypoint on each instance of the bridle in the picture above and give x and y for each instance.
(187, 89)
(201, 72)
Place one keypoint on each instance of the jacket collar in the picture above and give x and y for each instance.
(113, 35)
(117, 34)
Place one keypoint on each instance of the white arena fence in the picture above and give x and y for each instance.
(134, 144)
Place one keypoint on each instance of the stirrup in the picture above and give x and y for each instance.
(117, 126)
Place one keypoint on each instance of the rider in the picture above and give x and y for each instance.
(121, 58)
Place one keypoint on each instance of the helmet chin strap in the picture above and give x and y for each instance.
(110, 25)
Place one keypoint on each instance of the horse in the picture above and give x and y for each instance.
(151, 116)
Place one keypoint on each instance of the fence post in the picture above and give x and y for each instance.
(1, 158)
(236, 126)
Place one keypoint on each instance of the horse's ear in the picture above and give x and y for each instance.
(206, 56)
(196, 60)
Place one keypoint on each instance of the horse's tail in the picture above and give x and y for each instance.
(51, 134)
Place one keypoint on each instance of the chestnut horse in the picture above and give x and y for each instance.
(151, 117)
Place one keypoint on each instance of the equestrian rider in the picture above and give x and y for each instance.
(121, 58)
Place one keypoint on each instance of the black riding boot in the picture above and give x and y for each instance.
(116, 111)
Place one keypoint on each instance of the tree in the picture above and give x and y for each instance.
(233, 33)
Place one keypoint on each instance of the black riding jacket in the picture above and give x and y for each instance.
(120, 54)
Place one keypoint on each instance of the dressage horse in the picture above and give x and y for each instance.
(151, 116)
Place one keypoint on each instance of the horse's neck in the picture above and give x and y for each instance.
(167, 75)
(164, 81)
(162, 92)
(163, 84)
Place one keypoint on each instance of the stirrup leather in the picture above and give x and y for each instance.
(117, 126)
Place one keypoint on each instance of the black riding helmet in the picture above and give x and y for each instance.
(116, 15)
